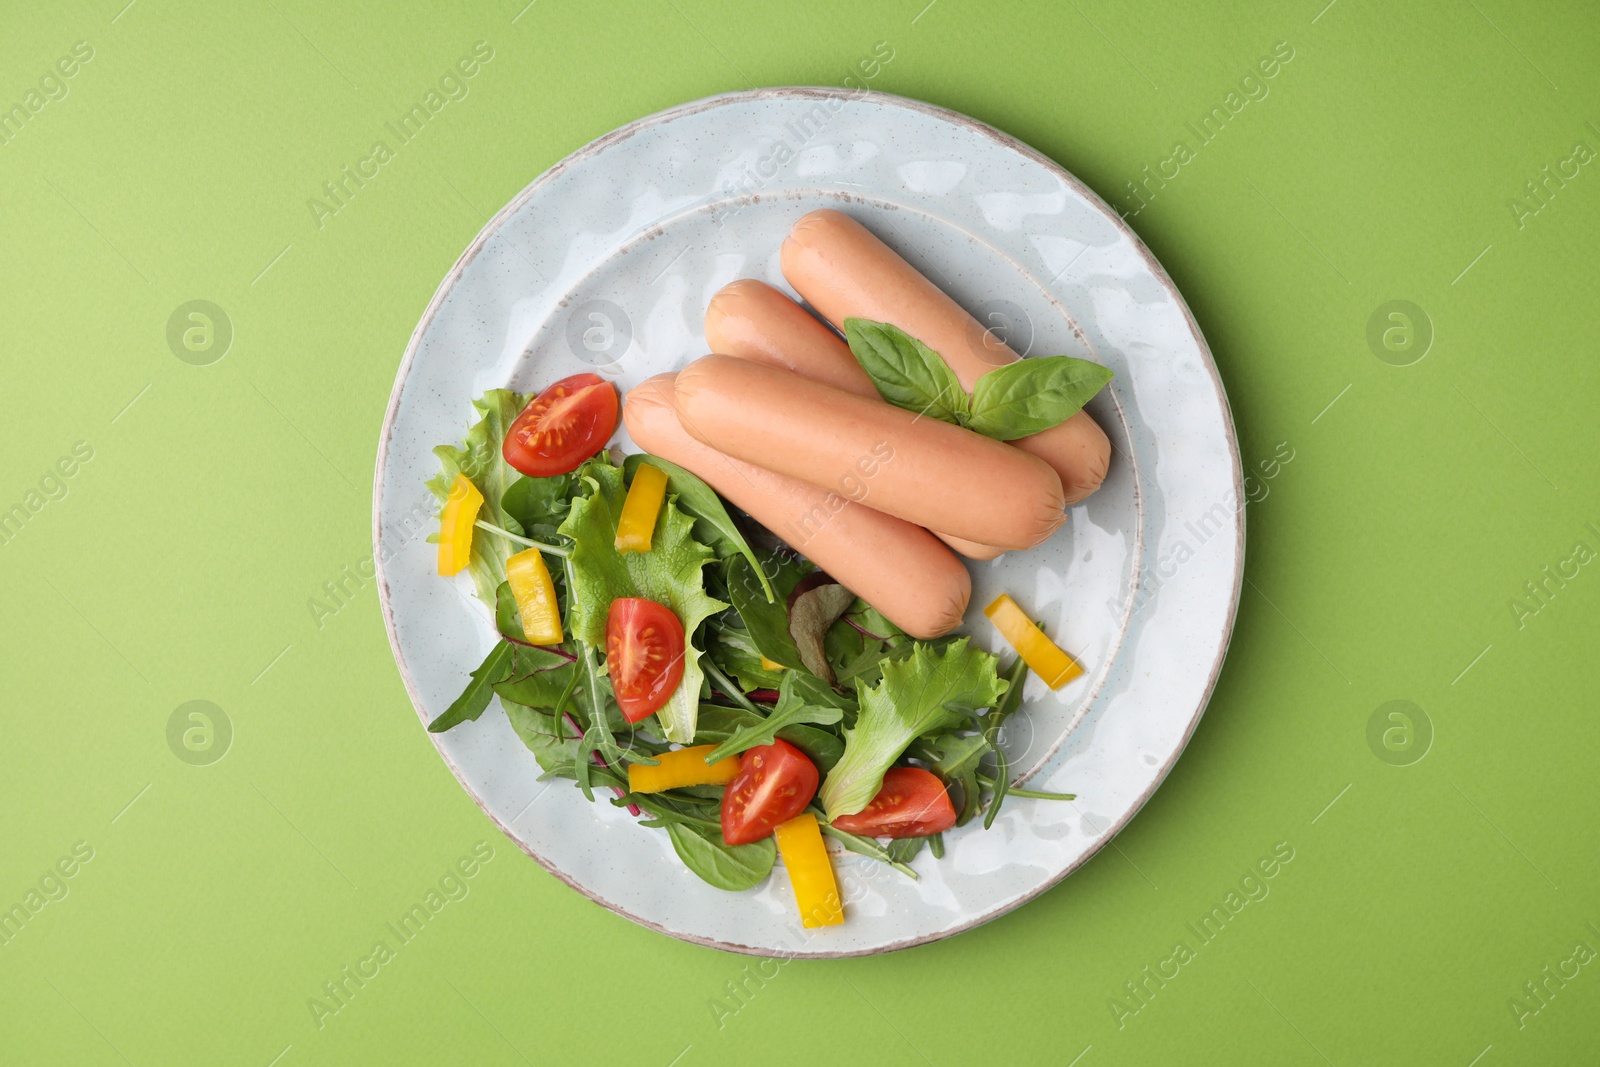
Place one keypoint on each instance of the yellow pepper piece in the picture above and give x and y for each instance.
(769, 665)
(535, 595)
(1042, 655)
(455, 525)
(681, 767)
(637, 525)
(810, 871)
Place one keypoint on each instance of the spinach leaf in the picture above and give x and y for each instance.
(544, 735)
(712, 523)
(767, 622)
(470, 704)
(730, 867)
(541, 688)
(907, 373)
(802, 699)
(1032, 395)
(731, 649)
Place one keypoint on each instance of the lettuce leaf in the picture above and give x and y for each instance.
(671, 573)
(931, 690)
(480, 460)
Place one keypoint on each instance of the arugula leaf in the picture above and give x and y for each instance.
(719, 723)
(731, 867)
(802, 699)
(767, 622)
(905, 849)
(933, 689)
(470, 704)
(865, 846)
(1032, 395)
(671, 574)
(480, 460)
(907, 373)
(712, 523)
(956, 758)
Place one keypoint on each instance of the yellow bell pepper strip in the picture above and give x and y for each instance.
(637, 525)
(535, 595)
(810, 871)
(455, 525)
(1042, 655)
(768, 665)
(679, 768)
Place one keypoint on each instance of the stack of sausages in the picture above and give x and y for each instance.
(785, 424)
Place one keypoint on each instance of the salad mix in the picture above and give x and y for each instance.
(658, 645)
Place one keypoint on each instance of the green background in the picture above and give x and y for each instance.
(1383, 562)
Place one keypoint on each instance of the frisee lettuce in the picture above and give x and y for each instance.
(932, 689)
(480, 460)
(671, 573)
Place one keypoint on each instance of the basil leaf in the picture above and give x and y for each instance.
(767, 622)
(470, 704)
(1031, 395)
(798, 703)
(712, 524)
(730, 867)
(906, 372)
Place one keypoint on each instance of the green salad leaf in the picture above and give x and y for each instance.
(479, 459)
(712, 523)
(731, 867)
(803, 700)
(932, 690)
(671, 573)
(470, 704)
(1011, 401)
(767, 622)
(718, 723)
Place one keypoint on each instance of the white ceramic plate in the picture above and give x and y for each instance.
(606, 262)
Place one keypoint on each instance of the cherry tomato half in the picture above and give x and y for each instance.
(562, 426)
(912, 803)
(775, 783)
(644, 655)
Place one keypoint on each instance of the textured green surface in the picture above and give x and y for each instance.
(1383, 560)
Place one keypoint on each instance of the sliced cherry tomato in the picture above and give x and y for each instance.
(912, 803)
(775, 783)
(644, 655)
(562, 426)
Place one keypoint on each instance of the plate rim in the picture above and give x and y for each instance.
(804, 92)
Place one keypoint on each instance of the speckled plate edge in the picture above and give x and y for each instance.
(802, 93)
